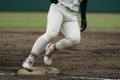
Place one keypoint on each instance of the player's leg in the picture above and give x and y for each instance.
(72, 35)
(54, 22)
(71, 32)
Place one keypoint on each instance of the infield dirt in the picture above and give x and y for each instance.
(97, 55)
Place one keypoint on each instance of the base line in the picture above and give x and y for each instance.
(65, 77)
(7, 74)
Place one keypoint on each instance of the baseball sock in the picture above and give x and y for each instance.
(33, 55)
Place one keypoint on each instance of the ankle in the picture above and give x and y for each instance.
(55, 49)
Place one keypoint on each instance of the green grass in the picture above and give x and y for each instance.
(22, 20)
(38, 20)
(104, 21)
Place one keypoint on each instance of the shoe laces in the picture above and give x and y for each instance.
(30, 61)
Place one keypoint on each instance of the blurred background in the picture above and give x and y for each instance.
(32, 14)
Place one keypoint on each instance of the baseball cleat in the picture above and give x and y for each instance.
(48, 55)
(28, 63)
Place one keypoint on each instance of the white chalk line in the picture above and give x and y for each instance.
(88, 78)
(73, 77)
(7, 73)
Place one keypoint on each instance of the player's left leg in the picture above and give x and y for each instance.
(55, 19)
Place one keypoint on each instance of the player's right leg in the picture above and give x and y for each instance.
(71, 32)
(54, 22)
(72, 35)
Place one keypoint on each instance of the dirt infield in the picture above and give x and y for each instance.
(98, 55)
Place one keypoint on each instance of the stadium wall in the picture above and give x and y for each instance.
(43, 5)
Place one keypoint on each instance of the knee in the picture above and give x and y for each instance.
(48, 37)
(75, 40)
(71, 41)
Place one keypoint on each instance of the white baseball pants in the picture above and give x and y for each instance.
(61, 19)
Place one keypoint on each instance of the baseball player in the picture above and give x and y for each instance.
(62, 16)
